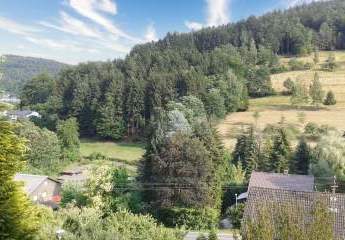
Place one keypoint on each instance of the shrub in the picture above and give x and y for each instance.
(235, 213)
(191, 218)
(97, 156)
(296, 65)
(330, 99)
(73, 194)
(213, 235)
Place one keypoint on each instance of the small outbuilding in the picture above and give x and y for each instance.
(41, 189)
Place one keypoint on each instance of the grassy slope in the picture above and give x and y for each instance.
(273, 108)
(117, 151)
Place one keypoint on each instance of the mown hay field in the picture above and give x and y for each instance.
(272, 109)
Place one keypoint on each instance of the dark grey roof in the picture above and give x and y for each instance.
(303, 201)
(282, 181)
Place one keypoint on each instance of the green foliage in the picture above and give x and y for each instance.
(329, 156)
(18, 70)
(18, 218)
(235, 214)
(259, 82)
(214, 104)
(44, 152)
(68, 134)
(289, 85)
(330, 64)
(300, 94)
(73, 194)
(287, 221)
(90, 223)
(330, 99)
(191, 218)
(281, 151)
(302, 158)
(213, 235)
(37, 90)
(247, 151)
(315, 91)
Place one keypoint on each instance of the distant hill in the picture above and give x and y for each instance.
(16, 70)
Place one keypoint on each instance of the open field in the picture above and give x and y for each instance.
(127, 152)
(272, 109)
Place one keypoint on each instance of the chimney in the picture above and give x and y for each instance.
(286, 172)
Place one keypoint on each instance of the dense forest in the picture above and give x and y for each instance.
(221, 66)
(17, 70)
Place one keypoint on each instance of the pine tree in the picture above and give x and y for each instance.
(281, 152)
(264, 163)
(246, 151)
(330, 99)
(315, 91)
(18, 218)
(302, 158)
(110, 123)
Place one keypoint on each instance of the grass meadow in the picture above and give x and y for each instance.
(272, 109)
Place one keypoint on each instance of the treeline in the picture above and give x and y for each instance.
(220, 66)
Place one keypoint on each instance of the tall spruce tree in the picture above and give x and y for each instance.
(302, 158)
(18, 217)
(281, 151)
(110, 122)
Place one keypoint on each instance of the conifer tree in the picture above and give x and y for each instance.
(18, 218)
(315, 91)
(302, 158)
(281, 152)
(110, 123)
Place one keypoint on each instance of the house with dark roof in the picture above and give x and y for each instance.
(296, 191)
(283, 181)
(41, 189)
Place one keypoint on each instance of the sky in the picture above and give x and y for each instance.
(74, 31)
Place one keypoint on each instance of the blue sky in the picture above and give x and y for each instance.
(75, 31)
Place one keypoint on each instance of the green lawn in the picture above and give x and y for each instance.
(115, 150)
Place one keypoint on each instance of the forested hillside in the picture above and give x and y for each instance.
(17, 70)
(220, 66)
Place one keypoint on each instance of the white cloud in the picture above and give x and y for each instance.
(16, 28)
(218, 12)
(292, 3)
(92, 9)
(73, 26)
(151, 34)
(193, 25)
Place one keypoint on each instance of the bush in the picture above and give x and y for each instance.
(73, 194)
(191, 218)
(96, 156)
(296, 65)
(330, 99)
(213, 235)
(235, 213)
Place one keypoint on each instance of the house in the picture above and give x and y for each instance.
(18, 114)
(41, 189)
(283, 181)
(275, 190)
